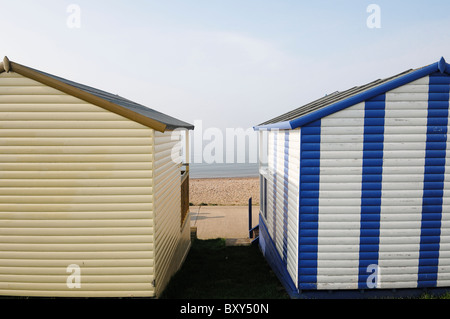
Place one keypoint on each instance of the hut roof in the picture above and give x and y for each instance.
(337, 101)
(112, 102)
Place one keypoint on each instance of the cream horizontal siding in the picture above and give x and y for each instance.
(75, 191)
(76, 187)
(40, 158)
(91, 182)
(69, 149)
(77, 207)
(73, 141)
(80, 124)
(63, 133)
(171, 240)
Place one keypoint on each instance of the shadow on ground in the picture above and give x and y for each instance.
(213, 270)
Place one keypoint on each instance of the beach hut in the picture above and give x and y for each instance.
(355, 192)
(93, 193)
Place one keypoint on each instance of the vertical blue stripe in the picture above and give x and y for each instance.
(434, 172)
(309, 208)
(286, 195)
(372, 169)
(274, 214)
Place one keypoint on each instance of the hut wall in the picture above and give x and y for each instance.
(172, 237)
(376, 214)
(281, 216)
(76, 188)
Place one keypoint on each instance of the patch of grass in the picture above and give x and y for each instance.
(215, 271)
(432, 296)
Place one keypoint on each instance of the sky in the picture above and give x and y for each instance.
(227, 63)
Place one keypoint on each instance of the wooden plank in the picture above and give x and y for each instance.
(84, 182)
(67, 222)
(76, 141)
(60, 215)
(52, 108)
(73, 158)
(75, 191)
(103, 293)
(55, 124)
(76, 207)
(73, 199)
(86, 270)
(80, 133)
(60, 116)
(135, 254)
(87, 279)
(84, 149)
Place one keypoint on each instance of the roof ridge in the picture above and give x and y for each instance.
(325, 106)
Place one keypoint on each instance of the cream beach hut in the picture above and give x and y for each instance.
(93, 191)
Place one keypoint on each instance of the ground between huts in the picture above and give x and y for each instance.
(213, 270)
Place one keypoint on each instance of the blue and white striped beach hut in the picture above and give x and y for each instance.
(355, 194)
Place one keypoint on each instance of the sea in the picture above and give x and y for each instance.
(216, 170)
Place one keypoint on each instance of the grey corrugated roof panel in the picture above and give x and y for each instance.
(330, 99)
(170, 122)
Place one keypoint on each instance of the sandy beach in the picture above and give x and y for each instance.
(224, 191)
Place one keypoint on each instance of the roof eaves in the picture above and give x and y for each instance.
(358, 98)
(170, 122)
(383, 88)
(284, 125)
(317, 104)
(86, 96)
(108, 101)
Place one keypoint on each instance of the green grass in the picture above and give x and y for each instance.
(431, 296)
(215, 271)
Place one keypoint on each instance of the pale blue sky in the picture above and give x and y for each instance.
(229, 63)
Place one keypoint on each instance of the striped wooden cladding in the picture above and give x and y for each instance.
(308, 248)
(282, 201)
(352, 232)
(373, 192)
(76, 187)
(433, 200)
